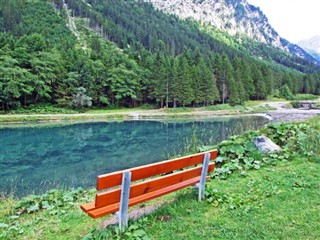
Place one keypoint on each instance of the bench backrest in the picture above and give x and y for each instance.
(115, 179)
(153, 186)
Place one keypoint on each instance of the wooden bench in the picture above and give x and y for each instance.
(122, 189)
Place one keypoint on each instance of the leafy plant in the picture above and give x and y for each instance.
(238, 154)
(286, 133)
(135, 231)
(54, 202)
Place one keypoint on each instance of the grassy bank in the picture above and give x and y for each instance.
(281, 202)
(46, 113)
(250, 196)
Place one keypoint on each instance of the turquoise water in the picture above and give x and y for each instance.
(35, 159)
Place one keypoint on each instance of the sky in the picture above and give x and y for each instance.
(294, 20)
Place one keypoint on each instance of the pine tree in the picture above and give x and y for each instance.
(224, 75)
(248, 85)
(174, 84)
(259, 83)
(160, 79)
(185, 93)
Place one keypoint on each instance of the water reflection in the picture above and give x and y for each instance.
(34, 159)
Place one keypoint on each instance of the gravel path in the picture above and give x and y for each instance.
(283, 114)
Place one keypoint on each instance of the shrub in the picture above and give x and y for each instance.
(295, 104)
(80, 99)
(286, 93)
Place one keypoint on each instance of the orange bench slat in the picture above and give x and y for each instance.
(86, 207)
(113, 196)
(115, 178)
(99, 212)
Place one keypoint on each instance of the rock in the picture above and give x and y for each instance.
(265, 145)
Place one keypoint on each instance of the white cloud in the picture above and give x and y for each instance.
(292, 19)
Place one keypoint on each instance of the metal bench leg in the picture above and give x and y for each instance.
(124, 200)
(204, 172)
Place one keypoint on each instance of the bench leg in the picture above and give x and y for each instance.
(124, 200)
(204, 173)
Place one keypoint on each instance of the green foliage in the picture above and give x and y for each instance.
(244, 202)
(80, 99)
(285, 134)
(239, 154)
(54, 200)
(261, 109)
(286, 93)
(298, 97)
(295, 104)
(42, 109)
(135, 231)
(53, 203)
(167, 62)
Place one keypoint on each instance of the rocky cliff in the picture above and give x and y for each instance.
(311, 46)
(236, 17)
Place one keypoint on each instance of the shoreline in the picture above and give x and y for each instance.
(280, 114)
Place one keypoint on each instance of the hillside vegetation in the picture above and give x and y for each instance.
(130, 54)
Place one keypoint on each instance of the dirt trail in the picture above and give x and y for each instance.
(282, 114)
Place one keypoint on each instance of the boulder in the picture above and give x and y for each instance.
(265, 145)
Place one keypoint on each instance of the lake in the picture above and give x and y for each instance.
(44, 156)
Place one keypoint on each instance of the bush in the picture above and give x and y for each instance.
(295, 104)
(81, 100)
(286, 93)
(41, 109)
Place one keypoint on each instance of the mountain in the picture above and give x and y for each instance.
(236, 17)
(311, 46)
(78, 53)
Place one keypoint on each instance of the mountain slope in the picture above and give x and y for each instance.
(127, 53)
(236, 17)
(312, 46)
(135, 23)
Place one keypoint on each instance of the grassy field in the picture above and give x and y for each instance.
(250, 196)
(281, 202)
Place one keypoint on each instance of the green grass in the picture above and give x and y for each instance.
(42, 109)
(315, 121)
(247, 107)
(52, 109)
(261, 109)
(47, 118)
(298, 97)
(220, 107)
(275, 203)
(119, 109)
(275, 99)
(178, 110)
